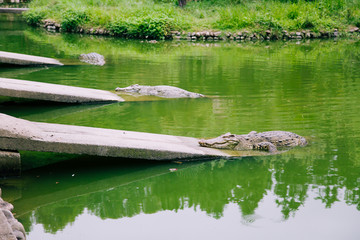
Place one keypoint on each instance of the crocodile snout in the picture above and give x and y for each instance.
(203, 143)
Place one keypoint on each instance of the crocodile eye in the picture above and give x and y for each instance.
(231, 135)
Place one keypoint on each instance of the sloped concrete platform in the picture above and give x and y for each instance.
(54, 92)
(17, 134)
(23, 59)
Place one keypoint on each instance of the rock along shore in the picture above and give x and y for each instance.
(10, 228)
(245, 35)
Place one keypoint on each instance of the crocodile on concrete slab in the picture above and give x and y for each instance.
(92, 58)
(159, 91)
(266, 141)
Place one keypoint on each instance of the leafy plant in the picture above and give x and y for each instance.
(35, 16)
(144, 27)
(308, 24)
(72, 19)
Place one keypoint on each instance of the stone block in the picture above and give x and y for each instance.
(10, 164)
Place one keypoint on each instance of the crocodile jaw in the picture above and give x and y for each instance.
(226, 141)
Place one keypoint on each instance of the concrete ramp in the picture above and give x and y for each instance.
(17, 134)
(23, 59)
(54, 92)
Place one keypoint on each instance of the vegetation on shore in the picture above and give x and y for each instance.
(156, 19)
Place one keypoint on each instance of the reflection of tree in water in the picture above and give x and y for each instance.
(61, 214)
(291, 185)
(328, 195)
(251, 190)
(327, 175)
(208, 186)
(352, 197)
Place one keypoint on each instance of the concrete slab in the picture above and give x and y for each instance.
(10, 164)
(23, 59)
(17, 134)
(54, 92)
(13, 10)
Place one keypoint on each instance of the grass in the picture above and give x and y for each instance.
(157, 18)
(316, 15)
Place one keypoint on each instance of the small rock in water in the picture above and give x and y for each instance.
(93, 58)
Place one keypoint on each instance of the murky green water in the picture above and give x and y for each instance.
(311, 88)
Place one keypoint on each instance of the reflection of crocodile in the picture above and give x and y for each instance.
(267, 141)
(159, 91)
(92, 58)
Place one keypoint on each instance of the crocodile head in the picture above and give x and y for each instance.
(226, 141)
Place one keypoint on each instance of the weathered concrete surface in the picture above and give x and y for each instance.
(13, 10)
(54, 92)
(10, 164)
(23, 59)
(17, 134)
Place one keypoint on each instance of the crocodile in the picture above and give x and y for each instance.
(92, 58)
(267, 141)
(159, 91)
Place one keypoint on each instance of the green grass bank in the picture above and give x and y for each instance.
(161, 19)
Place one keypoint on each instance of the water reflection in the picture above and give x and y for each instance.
(54, 198)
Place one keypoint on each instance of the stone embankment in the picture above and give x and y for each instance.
(53, 26)
(10, 228)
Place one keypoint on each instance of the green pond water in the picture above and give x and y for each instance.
(311, 88)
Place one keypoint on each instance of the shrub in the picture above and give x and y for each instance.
(268, 21)
(72, 19)
(35, 16)
(232, 19)
(144, 27)
(119, 27)
(357, 23)
(353, 17)
(293, 14)
(307, 24)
